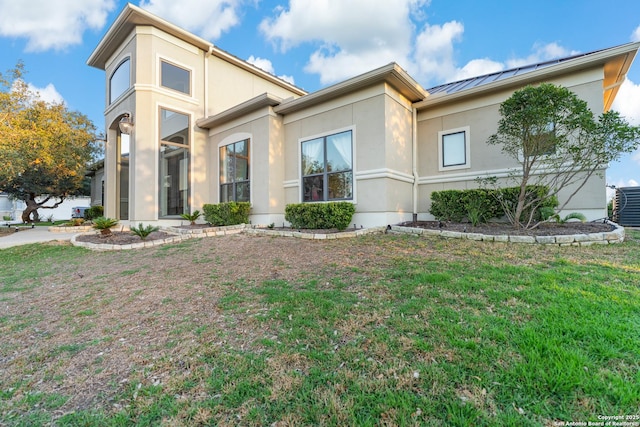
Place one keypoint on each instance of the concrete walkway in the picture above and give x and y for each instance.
(32, 235)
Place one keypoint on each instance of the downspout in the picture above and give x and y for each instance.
(205, 78)
(414, 146)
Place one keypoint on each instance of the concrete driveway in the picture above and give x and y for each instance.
(32, 235)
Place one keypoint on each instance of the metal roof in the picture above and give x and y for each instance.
(457, 86)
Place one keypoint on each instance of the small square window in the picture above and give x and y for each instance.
(175, 78)
(453, 149)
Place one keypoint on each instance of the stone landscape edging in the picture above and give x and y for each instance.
(603, 238)
(315, 236)
(70, 228)
(179, 234)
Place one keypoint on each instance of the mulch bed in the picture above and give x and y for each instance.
(120, 238)
(497, 228)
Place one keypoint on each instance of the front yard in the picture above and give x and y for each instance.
(378, 330)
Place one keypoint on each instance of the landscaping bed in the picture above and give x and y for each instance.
(503, 228)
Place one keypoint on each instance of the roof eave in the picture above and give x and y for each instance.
(130, 17)
(260, 101)
(391, 73)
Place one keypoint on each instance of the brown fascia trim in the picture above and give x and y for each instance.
(584, 62)
(391, 73)
(260, 101)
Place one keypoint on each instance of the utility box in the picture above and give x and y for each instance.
(78, 211)
(626, 210)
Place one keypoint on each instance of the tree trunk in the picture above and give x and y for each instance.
(30, 214)
(31, 209)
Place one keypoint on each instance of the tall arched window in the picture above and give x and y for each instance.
(120, 80)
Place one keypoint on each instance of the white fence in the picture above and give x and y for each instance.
(14, 208)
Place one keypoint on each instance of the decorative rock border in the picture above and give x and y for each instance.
(70, 229)
(614, 236)
(206, 231)
(315, 236)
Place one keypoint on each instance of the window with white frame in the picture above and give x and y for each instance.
(453, 149)
(327, 168)
(174, 77)
(234, 172)
(174, 163)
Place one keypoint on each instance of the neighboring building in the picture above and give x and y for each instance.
(13, 208)
(209, 127)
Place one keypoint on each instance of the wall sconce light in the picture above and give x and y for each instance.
(126, 124)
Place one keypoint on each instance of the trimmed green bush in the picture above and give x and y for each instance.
(480, 205)
(228, 213)
(93, 212)
(477, 205)
(320, 215)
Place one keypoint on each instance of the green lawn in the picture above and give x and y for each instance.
(411, 331)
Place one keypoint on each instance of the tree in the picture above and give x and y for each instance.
(558, 143)
(44, 148)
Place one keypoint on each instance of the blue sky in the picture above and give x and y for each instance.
(314, 43)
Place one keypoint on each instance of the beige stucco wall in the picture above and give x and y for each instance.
(225, 85)
(481, 115)
(266, 158)
(382, 147)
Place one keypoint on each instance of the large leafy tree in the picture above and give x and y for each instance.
(559, 143)
(44, 147)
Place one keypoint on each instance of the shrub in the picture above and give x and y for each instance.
(142, 231)
(193, 217)
(481, 205)
(228, 213)
(509, 197)
(477, 205)
(93, 212)
(104, 224)
(320, 215)
(446, 206)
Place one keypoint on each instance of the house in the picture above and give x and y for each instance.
(202, 126)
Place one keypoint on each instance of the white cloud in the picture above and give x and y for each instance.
(359, 35)
(626, 102)
(350, 37)
(209, 18)
(262, 63)
(478, 67)
(49, 24)
(266, 65)
(49, 93)
(434, 53)
(635, 36)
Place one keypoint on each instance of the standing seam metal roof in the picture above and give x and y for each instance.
(469, 83)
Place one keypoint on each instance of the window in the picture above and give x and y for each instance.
(453, 149)
(175, 78)
(327, 168)
(174, 163)
(120, 80)
(234, 172)
(541, 142)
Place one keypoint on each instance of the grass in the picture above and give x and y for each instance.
(419, 332)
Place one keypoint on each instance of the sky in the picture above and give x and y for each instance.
(315, 43)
